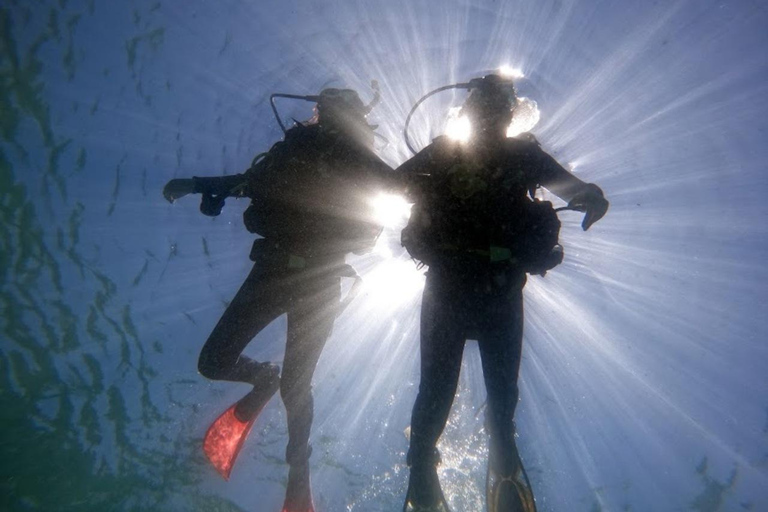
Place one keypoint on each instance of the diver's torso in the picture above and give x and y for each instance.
(314, 190)
(477, 197)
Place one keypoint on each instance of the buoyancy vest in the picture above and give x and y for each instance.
(477, 204)
(312, 193)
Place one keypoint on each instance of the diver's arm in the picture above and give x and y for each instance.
(224, 186)
(581, 196)
(555, 178)
(414, 172)
(384, 175)
(424, 160)
(215, 190)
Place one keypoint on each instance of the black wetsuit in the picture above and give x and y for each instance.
(477, 228)
(310, 198)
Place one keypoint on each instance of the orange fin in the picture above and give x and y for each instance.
(224, 439)
(310, 509)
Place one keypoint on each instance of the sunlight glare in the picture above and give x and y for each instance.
(458, 127)
(391, 210)
(510, 72)
(393, 282)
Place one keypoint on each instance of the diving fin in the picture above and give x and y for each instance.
(225, 437)
(440, 507)
(424, 493)
(509, 493)
(298, 495)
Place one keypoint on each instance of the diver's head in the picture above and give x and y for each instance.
(337, 110)
(339, 105)
(343, 111)
(489, 105)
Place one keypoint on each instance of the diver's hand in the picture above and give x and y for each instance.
(591, 201)
(177, 188)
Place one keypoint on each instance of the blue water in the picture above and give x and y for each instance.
(643, 380)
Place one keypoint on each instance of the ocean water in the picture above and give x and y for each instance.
(643, 383)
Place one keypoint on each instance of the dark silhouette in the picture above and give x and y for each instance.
(478, 226)
(310, 198)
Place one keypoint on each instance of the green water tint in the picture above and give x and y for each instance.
(55, 392)
(74, 374)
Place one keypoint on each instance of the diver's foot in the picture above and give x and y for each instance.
(424, 492)
(266, 382)
(298, 494)
(509, 491)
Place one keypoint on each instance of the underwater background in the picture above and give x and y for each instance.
(643, 382)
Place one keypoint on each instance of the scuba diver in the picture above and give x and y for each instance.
(478, 225)
(310, 198)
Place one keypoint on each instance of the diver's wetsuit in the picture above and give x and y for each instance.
(310, 297)
(485, 305)
(478, 232)
(309, 200)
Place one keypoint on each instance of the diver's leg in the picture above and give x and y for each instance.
(442, 347)
(259, 301)
(310, 322)
(255, 305)
(508, 488)
(500, 351)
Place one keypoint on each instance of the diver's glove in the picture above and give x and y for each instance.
(590, 200)
(178, 188)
